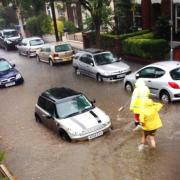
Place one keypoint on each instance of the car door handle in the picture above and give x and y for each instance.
(149, 81)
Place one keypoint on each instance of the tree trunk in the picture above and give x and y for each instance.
(97, 26)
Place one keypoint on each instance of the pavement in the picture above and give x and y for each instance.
(74, 44)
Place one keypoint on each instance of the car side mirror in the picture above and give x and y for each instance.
(48, 116)
(93, 101)
(13, 65)
(92, 64)
(137, 76)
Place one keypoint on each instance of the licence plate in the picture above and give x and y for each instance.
(120, 75)
(10, 84)
(95, 135)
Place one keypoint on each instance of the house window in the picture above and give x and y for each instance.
(138, 16)
(177, 17)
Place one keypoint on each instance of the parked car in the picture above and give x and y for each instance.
(100, 64)
(163, 79)
(9, 38)
(29, 46)
(71, 114)
(53, 53)
(9, 76)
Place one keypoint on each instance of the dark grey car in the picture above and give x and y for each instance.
(100, 64)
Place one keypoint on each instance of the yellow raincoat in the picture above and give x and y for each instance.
(149, 117)
(139, 96)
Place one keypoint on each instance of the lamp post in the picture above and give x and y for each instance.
(171, 24)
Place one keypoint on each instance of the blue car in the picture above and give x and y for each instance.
(9, 76)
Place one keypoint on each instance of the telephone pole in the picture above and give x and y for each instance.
(54, 20)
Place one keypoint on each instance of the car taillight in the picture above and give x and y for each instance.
(55, 55)
(174, 85)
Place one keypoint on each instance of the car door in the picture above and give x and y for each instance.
(90, 66)
(86, 64)
(50, 118)
(151, 76)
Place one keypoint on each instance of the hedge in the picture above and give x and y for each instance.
(146, 48)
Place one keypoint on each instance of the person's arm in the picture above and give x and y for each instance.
(133, 98)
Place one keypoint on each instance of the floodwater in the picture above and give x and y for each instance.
(34, 152)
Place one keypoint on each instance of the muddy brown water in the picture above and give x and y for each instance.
(34, 152)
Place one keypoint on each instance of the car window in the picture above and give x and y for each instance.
(104, 58)
(4, 66)
(175, 74)
(36, 42)
(148, 72)
(48, 49)
(42, 102)
(73, 106)
(9, 34)
(62, 48)
(50, 108)
(86, 58)
(159, 72)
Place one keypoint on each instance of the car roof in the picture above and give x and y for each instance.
(167, 64)
(93, 50)
(31, 38)
(56, 43)
(59, 93)
(9, 30)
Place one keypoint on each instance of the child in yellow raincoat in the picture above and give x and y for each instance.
(150, 121)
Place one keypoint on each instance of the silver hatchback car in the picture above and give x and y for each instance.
(162, 78)
(100, 64)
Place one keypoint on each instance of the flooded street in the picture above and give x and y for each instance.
(33, 152)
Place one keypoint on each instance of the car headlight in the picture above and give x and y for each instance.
(18, 76)
(72, 132)
(8, 41)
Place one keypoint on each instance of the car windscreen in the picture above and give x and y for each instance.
(73, 106)
(36, 42)
(4, 66)
(9, 34)
(104, 58)
(63, 47)
(175, 74)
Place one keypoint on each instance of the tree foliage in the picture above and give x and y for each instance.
(96, 9)
(39, 25)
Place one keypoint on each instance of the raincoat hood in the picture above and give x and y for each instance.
(140, 82)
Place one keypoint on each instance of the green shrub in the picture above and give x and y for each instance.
(69, 26)
(107, 41)
(2, 156)
(2, 23)
(39, 25)
(146, 48)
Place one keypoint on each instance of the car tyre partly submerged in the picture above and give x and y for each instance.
(77, 71)
(64, 136)
(128, 87)
(99, 78)
(165, 97)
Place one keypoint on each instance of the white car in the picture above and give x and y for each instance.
(29, 46)
(70, 114)
(162, 78)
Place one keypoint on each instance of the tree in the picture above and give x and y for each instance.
(96, 8)
(123, 15)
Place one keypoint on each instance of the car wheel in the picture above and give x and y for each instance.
(129, 87)
(19, 52)
(51, 63)
(37, 58)
(6, 47)
(165, 97)
(64, 136)
(77, 71)
(28, 54)
(38, 119)
(99, 78)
